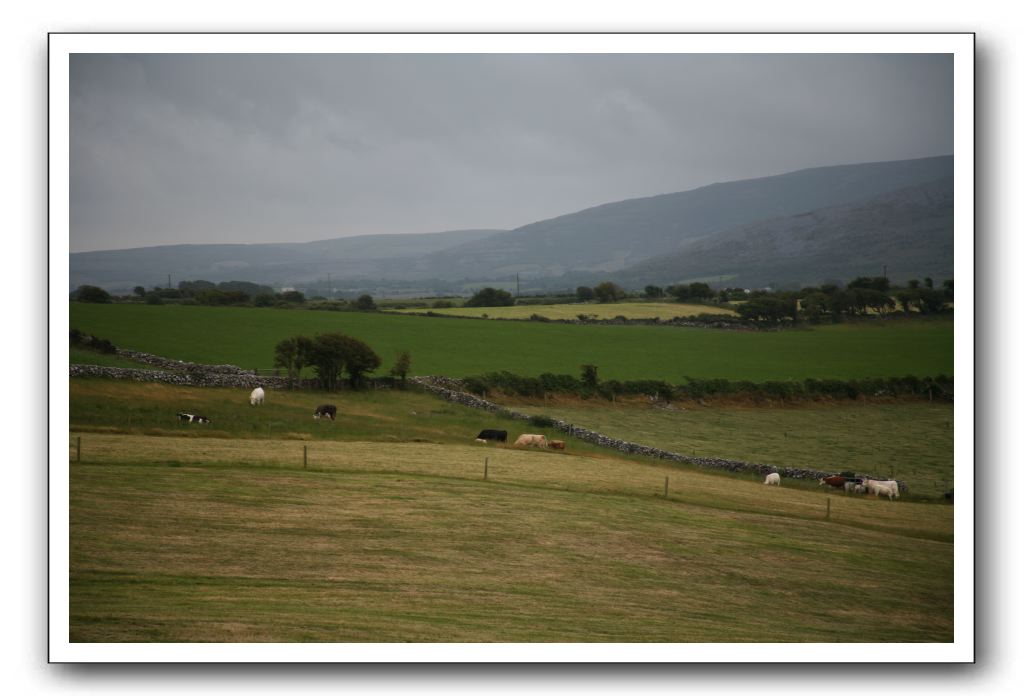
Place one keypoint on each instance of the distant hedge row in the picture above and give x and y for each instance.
(940, 387)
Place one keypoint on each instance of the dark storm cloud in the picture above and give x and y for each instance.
(258, 148)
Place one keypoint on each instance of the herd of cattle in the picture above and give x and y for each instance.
(850, 484)
(256, 398)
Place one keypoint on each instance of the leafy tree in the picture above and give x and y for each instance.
(365, 303)
(264, 300)
(652, 292)
(327, 357)
(815, 305)
(931, 301)
(907, 299)
(589, 375)
(401, 366)
(139, 291)
(914, 284)
(153, 298)
(359, 359)
(608, 292)
(765, 309)
(584, 293)
(221, 298)
(929, 283)
(876, 300)
(293, 354)
(692, 291)
(490, 297)
(879, 283)
(91, 293)
(292, 297)
(947, 288)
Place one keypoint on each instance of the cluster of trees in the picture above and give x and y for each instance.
(227, 293)
(861, 296)
(490, 297)
(331, 355)
(602, 292)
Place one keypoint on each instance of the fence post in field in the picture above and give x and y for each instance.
(78, 449)
(305, 456)
(827, 515)
(486, 464)
(665, 486)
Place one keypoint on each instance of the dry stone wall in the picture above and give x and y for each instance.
(186, 378)
(449, 389)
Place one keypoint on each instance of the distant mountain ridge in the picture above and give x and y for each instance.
(906, 233)
(699, 232)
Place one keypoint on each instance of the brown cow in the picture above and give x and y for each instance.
(556, 444)
(833, 481)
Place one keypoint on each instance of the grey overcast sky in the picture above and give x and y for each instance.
(220, 148)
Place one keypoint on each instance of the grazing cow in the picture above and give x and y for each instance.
(192, 418)
(499, 435)
(481, 440)
(852, 486)
(859, 488)
(326, 411)
(773, 479)
(557, 444)
(889, 488)
(256, 397)
(529, 439)
(833, 481)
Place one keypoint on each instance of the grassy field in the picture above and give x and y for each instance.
(629, 310)
(910, 441)
(459, 347)
(269, 526)
(213, 539)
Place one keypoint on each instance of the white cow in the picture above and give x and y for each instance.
(889, 488)
(528, 439)
(773, 479)
(257, 396)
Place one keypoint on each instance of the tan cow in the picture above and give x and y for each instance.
(557, 444)
(530, 439)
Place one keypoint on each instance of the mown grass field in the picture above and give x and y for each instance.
(629, 310)
(269, 526)
(911, 441)
(460, 347)
(210, 539)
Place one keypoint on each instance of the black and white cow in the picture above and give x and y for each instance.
(326, 411)
(499, 435)
(192, 418)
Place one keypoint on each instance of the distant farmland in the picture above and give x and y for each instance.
(629, 310)
(459, 347)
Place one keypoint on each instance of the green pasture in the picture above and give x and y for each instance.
(629, 310)
(911, 441)
(459, 347)
(183, 539)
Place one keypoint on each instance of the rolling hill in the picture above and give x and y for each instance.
(825, 222)
(909, 231)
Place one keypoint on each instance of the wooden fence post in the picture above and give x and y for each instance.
(486, 464)
(665, 486)
(305, 456)
(78, 449)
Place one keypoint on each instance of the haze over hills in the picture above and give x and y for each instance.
(801, 227)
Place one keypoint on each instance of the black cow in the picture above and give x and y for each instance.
(192, 418)
(327, 410)
(499, 435)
